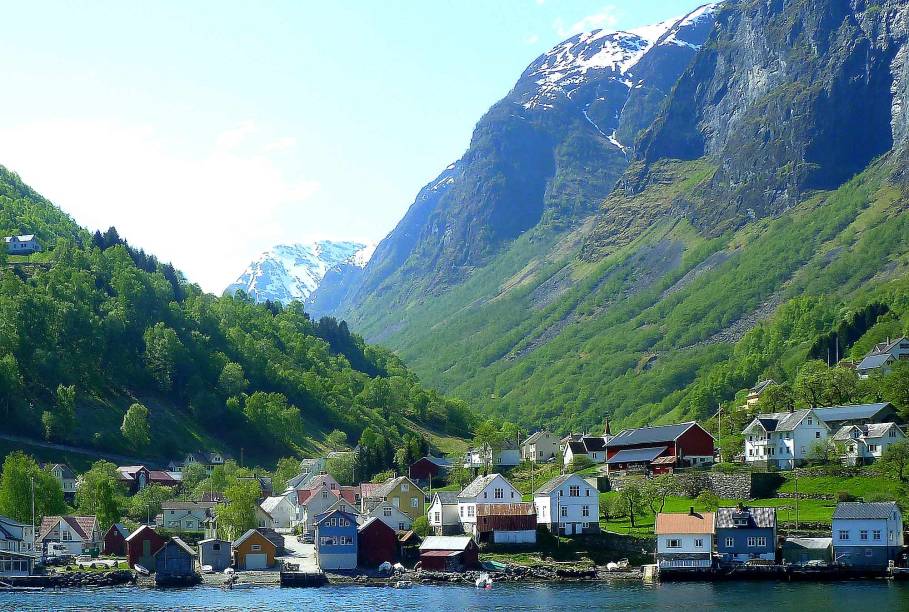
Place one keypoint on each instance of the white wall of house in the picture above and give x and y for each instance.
(282, 512)
(183, 519)
(572, 506)
(23, 536)
(683, 543)
(392, 517)
(867, 532)
(785, 447)
(318, 502)
(441, 515)
(543, 449)
(498, 491)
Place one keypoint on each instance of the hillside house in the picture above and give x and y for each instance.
(754, 394)
(67, 479)
(864, 444)
(491, 489)
(684, 541)
(78, 534)
(883, 356)
(208, 459)
(186, 515)
(480, 457)
(867, 534)
(115, 540)
(568, 505)
(857, 414)
(744, 533)
(443, 513)
(784, 440)
(402, 493)
(336, 540)
(540, 447)
(281, 509)
(660, 449)
(22, 245)
(428, 467)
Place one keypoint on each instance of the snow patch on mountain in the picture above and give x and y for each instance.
(290, 272)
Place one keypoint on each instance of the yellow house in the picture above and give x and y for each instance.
(400, 492)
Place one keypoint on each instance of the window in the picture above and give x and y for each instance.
(67, 536)
(324, 494)
(876, 534)
(470, 511)
(414, 502)
(438, 517)
(585, 511)
(750, 452)
(843, 534)
(863, 534)
(564, 511)
(387, 511)
(574, 491)
(401, 527)
(462, 511)
(587, 492)
(345, 540)
(255, 547)
(872, 447)
(499, 493)
(752, 541)
(730, 542)
(869, 552)
(810, 421)
(817, 434)
(216, 546)
(673, 543)
(699, 543)
(762, 541)
(405, 487)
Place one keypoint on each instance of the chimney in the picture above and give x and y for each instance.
(690, 510)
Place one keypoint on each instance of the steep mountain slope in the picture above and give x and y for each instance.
(119, 328)
(545, 155)
(765, 204)
(290, 272)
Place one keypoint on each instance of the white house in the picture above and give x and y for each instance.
(76, 533)
(479, 457)
(491, 489)
(883, 356)
(186, 515)
(591, 447)
(443, 513)
(540, 447)
(864, 444)
(311, 502)
(22, 245)
(684, 540)
(784, 439)
(867, 534)
(392, 516)
(17, 548)
(281, 509)
(67, 479)
(568, 505)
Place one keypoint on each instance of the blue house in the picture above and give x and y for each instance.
(867, 534)
(336, 539)
(175, 563)
(744, 533)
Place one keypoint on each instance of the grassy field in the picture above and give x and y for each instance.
(857, 486)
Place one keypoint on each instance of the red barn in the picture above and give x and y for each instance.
(449, 553)
(428, 467)
(376, 543)
(115, 540)
(659, 450)
(141, 547)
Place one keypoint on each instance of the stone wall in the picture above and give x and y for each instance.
(737, 485)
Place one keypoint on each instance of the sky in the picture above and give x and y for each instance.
(209, 131)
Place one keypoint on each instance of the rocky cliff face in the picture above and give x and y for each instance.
(548, 153)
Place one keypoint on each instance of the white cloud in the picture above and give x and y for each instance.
(209, 212)
(604, 19)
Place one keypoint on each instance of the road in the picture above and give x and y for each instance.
(297, 552)
(121, 459)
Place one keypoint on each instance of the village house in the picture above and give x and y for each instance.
(568, 505)
(186, 515)
(857, 414)
(799, 551)
(115, 540)
(346, 506)
(490, 489)
(78, 534)
(253, 551)
(67, 479)
(392, 516)
(22, 245)
(215, 553)
(883, 356)
(443, 513)
(507, 523)
(17, 549)
(684, 541)
(281, 509)
(136, 477)
(174, 562)
(864, 444)
(745, 533)
(506, 456)
(449, 554)
(428, 467)
(325, 494)
(336, 540)
(867, 534)
(376, 543)
(400, 492)
(660, 449)
(540, 447)
(754, 394)
(572, 437)
(141, 546)
(591, 448)
(209, 460)
(784, 440)
(263, 518)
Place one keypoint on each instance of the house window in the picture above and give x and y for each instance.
(762, 541)
(564, 511)
(470, 511)
(673, 543)
(817, 434)
(863, 534)
(585, 511)
(574, 491)
(462, 511)
(844, 534)
(730, 542)
(405, 487)
(414, 502)
(346, 540)
(387, 511)
(872, 447)
(869, 552)
(438, 517)
(255, 547)
(499, 493)
(66, 536)
(324, 494)
(699, 543)
(876, 534)
(752, 541)
(401, 527)
(810, 421)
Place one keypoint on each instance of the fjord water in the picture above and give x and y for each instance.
(876, 595)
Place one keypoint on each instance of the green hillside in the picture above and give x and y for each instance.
(93, 329)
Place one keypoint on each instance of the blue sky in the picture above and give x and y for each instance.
(209, 131)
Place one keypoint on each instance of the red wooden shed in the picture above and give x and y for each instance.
(141, 546)
(377, 543)
(426, 467)
(115, 540)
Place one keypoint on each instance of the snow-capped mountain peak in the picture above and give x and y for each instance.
(290, 272)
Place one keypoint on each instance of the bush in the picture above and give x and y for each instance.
(844, 496)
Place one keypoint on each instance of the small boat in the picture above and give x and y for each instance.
(484, 582)
(141, 570)
(403, 584)
(207, 569)
(6, 587)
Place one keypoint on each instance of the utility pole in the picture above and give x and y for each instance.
(34, 528)
(719, 429)
(796, 474)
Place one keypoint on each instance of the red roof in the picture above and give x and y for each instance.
(350, 494)
(303, 495)
(368, 488)
(161, 476)
(82, 525)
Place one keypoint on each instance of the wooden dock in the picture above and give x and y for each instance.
(291, 578)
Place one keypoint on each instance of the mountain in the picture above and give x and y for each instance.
(752, 207)
(92, 326)
(290, 272)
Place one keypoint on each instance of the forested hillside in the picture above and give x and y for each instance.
(103, 346)
(763, 208)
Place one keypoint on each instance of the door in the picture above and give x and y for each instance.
(569, 528)
(256, 561)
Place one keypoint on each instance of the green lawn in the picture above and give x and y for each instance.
(858, 486)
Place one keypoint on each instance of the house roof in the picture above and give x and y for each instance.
(446, 543)
(869, 431)
(179, 542)
(303, 496)
(187, 505)
(439, 461)
(780, 421)
(476, 487)
(209, 540)
(161, 476)
(368, 489)
(22, 238)
(518, 509)
(636, 455)
(814, 543)
(854, 411)
(757, 517)
(249, 533)
(140, 529)
(650, 435)
(865, 510)
(440, 553)
(324, 515)
(370, 521)
(343, 504)
(82, 525)
(447, 498)
(577, 447)
(759, 388)
(535, 436)
(270, 503)
(350, 493)
(554, 484)
(871, 362)
(390, 485)
(65, 470)
(683, 522)
(594, 443)
(123, 529)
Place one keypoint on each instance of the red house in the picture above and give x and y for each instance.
(659, 450)
(449, 553)
(115, 540)
(376, 543)
(141, 547)
(428, 467)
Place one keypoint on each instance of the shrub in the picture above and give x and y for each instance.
(844, 496)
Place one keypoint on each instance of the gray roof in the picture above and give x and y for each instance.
(759, 388)
(448, 498)
(874, 361)
(123, 529)
(864, 510)
(815, 543)
(557, 482)
(65, 470)
(650, 435)
(536, 436)
(476, 487)
(757, 517)
(781, 421)
(854, 411)
(246, 536)
(445, 543)
(577, 447)
(594, 443)
(179, 542)
(633, 455)
(22, 238)
(871, 430)
(389, 485)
